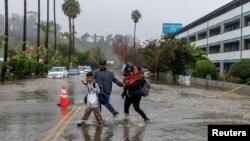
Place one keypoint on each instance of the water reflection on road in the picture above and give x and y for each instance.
(28, 109)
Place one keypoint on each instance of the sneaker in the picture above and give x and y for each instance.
(80, 123)
(126, 117)
(100, 123)
(147, 120)
(115, 115)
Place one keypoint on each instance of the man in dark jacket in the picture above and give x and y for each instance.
(105, 77)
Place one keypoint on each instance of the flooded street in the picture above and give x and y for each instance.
(29, 111)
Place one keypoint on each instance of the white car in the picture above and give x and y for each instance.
(87, 70)
(146, 72)
(84, 69)
(58, 72)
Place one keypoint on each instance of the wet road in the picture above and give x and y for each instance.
(28, 112)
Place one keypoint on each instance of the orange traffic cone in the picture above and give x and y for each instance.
(63, 98)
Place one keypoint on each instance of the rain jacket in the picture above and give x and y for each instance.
(105, 79)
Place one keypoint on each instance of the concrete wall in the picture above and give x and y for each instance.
(220, 84)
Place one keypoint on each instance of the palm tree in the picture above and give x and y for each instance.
(6, 39)
(47, 33)
(135, 16)
(24, 25)
(77, 11)
(55, 24)
(66, 11)
(38, 28)
(71, 8)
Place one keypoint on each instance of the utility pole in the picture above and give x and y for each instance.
(241, 28)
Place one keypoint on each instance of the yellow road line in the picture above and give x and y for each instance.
(64, 126)
(237, 88)
(51, 131)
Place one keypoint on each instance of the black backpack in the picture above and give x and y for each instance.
(145, 88)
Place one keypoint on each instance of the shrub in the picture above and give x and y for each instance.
(42, 69)
(241, 69)
(22, 67)
(204, 68)
(236, 80)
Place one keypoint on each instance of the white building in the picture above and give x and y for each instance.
(224, 33)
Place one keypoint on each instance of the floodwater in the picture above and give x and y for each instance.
(29, 112)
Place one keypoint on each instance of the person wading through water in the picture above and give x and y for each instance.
(105, 77)
(133, 80)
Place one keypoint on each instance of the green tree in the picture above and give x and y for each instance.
(43, 27)
(71, 8)
(6, 39)
(18, 51)
(135, 16)
(56, 58)
(42, 52)
(68, 12)
(193, 54)
(204, 68)
(1, 40)
(178, 54)
(77, 11)
(241, 69)
(83, 57)
(96, 55)
(153, 57)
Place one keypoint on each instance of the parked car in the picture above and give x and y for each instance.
(73, 71)
(87, 70)
(84, 69)
(146, 72)
(57, 72)
(80, 69)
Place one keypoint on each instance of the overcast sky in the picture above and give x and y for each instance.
(114, 16)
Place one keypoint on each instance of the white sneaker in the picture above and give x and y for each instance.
(126, 117)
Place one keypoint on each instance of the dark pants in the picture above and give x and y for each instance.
(110, 107)
(135, 100)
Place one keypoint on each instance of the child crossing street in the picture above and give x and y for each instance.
(92, 102)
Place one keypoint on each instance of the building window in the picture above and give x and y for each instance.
(192, 38)
(247, 44)
(202, 35)
(247, 21)
(214, 49)
(232, 26)
(215, 31)
(229, 47)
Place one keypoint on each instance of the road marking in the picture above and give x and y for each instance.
(64, 126)
(62, 121)
(237, 88)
